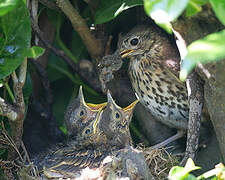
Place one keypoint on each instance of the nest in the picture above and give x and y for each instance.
(160, 161)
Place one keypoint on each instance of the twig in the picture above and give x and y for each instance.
(10, 141)
(93, 45)
(25, 151)
(196, 98)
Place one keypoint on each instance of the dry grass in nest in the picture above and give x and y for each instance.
(160, 161)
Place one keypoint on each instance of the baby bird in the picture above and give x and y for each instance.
(79, 114)
(114, 123)
(99, 137)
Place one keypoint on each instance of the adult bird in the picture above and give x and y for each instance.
(153, 70)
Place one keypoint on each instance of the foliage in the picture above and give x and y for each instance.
(15, 40)
(7, 5)
(109, 9)
(210, 48)
(15, 37)
(35, 52)
(183, 173)
(164, 11)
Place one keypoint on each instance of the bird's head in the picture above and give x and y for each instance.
(79, 114)
(136, 42)
(114, 122)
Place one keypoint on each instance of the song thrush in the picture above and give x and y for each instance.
(107, 132)
(79, 113)
(153, 70)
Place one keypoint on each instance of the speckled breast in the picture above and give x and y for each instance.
(160, 93)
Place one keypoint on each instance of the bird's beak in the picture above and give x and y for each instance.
(81, 96)
(128, 111)
(96, 107)
(92, 107)
(111, 102)
(97, 120)
(125, 53)
(131, 106)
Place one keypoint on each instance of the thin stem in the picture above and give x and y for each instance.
(9, 91)
(63, 71)
(65, 49)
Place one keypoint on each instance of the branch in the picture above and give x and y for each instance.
(18, 85)
(8, 110)
(196, 98)
(16, 122)
(93, 45)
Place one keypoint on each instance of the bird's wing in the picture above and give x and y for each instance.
(70, 161)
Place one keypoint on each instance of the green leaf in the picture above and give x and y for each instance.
(177, 173)
(16, 36)
(219, 9)
(190, 165)
(35, 52)
(166, 26)
(190, 177)
(1, 83)
(214, 178)
(6, 6)
(109, 9)
(194, 6)
(164, 11)
(182, 173)
(210, 48)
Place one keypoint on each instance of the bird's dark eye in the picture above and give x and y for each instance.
(81, 112)
(117, 115)
(88, 131)
(134, 41)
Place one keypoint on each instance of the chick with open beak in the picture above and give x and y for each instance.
(114, 123)
(79, 114)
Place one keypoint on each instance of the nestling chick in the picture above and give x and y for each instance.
(79, 114)
(108, 131)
